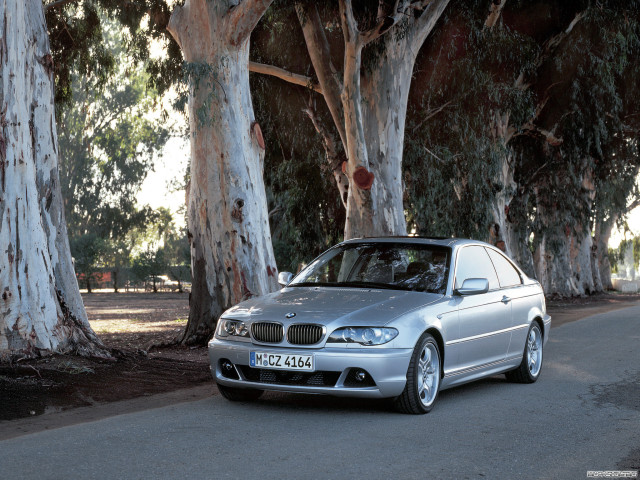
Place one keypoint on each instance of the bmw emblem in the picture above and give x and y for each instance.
(290, 315)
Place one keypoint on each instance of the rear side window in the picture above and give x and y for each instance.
(473, 262)
(508, 276)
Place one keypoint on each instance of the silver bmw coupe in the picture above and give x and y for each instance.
(397, 317)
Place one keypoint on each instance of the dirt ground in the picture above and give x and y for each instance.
(133, 323)
(130, 322)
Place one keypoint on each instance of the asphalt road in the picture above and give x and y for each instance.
(582, 414)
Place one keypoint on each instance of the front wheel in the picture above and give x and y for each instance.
(239, 394)
(529, 369)
(423, 378)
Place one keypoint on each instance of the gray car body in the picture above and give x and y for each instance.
(478, 335)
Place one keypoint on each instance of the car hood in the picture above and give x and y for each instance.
(331, 306)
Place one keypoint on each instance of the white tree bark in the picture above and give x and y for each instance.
(581, 239)
(581, 261)
(369, 109)
(41, 309)
(552, 263)
(231, 253)
(375, 107)
(552, 258)
(602, 234)
(384, 93)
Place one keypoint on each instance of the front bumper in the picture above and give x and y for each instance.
(387, 367)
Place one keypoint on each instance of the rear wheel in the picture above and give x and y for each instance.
(423, 378)
(529, 369)
(239, 394)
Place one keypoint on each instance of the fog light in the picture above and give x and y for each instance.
(227, 366)
(361, 376)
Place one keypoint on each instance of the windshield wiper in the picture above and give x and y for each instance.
(314, 284)
(374, 285)
(377, 285)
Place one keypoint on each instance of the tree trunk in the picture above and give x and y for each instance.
(552, 258)
(580, 249)
(369, 110)
(601, 237)
(581, 240)
(517, 233)
(375, 108)
(595, 269)
(384, 91)
(499, 229)
(231, 252)
(552, 263)
(41, 310)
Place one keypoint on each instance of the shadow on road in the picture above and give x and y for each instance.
(314, 403)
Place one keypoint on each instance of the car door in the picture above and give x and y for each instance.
(518, 295)
(484, 319)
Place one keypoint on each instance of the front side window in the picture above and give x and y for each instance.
(473, 262)
(422, 268)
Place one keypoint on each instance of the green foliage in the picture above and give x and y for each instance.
(202, 77)
(107, 142)
(452, 160)
(619, 256)
(574, 85)
(76, 36)
(149, 264)
(88, 252)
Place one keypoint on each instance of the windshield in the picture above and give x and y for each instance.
(422, 268)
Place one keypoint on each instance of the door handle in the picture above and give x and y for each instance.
(505, 299)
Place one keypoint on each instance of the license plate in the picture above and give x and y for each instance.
(281, 362)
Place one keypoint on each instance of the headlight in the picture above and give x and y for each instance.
(363, 335)
(232, 327)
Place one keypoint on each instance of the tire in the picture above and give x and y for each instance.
(531, 365)
(239, 394)
(423, 378)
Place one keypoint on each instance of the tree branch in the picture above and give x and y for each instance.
(334, 159)
(57, 3)
(432, 112)
(431, 12)
(320, 54)
(494, 13)
(349, 24)
(285, 75)
(633, 205)
(549, 47)
(244, 17)
(385, 22)
(530, 126)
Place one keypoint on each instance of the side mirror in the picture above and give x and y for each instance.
(473, 286)
(284, 278)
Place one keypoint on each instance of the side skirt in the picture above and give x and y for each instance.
(474, 373)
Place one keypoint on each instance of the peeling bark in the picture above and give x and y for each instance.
(231, 252)
(369, 109)
(552, 261)
(582, 242)
(41, 309)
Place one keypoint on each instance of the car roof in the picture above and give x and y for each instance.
(440, 241)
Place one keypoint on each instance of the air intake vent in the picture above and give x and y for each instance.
(304, 334)
(267, 332)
